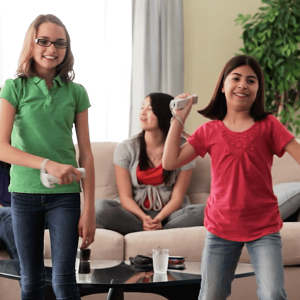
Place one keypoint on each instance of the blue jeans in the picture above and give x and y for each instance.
(6, 232)
(220, 258)
(28, 217)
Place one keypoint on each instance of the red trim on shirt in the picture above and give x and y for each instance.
(153, 176)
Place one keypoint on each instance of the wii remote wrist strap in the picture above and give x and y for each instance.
(44, 164)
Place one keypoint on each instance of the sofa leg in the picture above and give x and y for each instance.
(48, 293)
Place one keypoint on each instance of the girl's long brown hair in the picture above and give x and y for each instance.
(217, 108)
(26, 68)
(160, 103)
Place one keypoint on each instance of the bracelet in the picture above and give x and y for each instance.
(177, 118)
(44, 164)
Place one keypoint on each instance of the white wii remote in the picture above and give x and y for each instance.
(49, 180)
(180, 103)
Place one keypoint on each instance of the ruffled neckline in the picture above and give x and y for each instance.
(239, 141)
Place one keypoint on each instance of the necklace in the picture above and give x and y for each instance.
(155, 156)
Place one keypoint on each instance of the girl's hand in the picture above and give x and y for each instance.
(156, 221)
(151, 224)
(183, 113)
(86, 229)
(66, 174)
(147, 223)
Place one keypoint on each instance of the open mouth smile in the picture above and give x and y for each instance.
(49, 57)
(240, 95)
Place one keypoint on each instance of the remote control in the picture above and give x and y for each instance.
(180, 103)
(49, 180)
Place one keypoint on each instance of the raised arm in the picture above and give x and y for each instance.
(175, 156)
(293, 148)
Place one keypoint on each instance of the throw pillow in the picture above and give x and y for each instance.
(288, 195)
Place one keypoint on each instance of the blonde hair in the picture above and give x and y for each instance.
(26, 68)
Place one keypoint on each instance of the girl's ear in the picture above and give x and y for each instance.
(223, 91)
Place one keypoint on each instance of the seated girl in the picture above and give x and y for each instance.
(6, 231)
(150, 198)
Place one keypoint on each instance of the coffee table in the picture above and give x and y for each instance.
(116, 277)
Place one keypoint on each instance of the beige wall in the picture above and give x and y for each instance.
(210, 40)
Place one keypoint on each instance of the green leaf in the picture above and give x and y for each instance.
(295, 11)
(264, 8)
(287, 17)
(278, 62)
(278, 42)
(270, 64)
(268, 2)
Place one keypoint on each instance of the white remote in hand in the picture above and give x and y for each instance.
(49, 180)
(180, 103)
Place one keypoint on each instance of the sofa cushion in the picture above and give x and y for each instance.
(186, 242)
(288, 195)
(199, 187)
(106, 186)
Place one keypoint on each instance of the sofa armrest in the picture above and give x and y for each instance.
(108, 245)
(290, 236)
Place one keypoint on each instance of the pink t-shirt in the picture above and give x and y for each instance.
(242, 206)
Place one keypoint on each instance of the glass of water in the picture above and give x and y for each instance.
(160, 260)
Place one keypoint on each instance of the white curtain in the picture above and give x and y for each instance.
(157, 52)
(120, 47)
(101, 37)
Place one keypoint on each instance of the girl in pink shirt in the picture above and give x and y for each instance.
(242, 209)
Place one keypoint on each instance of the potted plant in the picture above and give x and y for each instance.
(272, 36)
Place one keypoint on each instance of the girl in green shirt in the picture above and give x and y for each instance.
(37, 112)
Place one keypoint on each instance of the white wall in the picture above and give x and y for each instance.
(210, 40)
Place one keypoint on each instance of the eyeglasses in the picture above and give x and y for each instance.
(47, 43)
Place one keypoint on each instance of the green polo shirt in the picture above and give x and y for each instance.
(43, 127)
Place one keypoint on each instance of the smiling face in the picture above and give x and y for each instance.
(240, 88)
(148, 119)
(46, 59)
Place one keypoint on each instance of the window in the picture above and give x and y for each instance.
(101, 41)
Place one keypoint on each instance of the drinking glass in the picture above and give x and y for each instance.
(160, 260)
